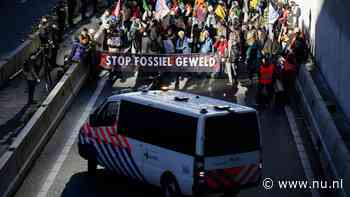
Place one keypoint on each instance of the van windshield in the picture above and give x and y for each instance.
(231, 134)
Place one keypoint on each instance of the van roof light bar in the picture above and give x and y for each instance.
(224, 108)
(183, 99)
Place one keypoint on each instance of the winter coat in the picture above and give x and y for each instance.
(182, 46)
(221, 47)
(77, 52)
(168, 46)
(207, 46)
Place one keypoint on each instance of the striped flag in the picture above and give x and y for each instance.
(161, 9)
(116, 11)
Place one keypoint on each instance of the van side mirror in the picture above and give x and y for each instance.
(93, 119)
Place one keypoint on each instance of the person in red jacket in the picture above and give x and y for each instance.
(221, 46)
(265, 83)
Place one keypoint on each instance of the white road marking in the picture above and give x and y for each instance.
(301, 149)
(68, 145)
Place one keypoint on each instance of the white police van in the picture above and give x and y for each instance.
(187, 144)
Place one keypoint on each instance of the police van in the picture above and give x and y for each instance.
(185, 143)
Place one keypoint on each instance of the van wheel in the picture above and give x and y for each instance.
(170, 187)
(92, 166)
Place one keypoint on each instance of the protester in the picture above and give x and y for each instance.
(80, 46)
(295, 14)
(182, 43)
(248, 35)
(221, 46)
(265, 83)
(253, 55)
(206, 46)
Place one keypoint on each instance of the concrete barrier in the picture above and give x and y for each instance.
(335, 157)
(15, 163)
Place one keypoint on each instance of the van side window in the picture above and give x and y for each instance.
(108, 114)
(158, 127)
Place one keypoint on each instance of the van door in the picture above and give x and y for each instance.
(232, 151)
(131, 136)
(167, 139)
(111, 148)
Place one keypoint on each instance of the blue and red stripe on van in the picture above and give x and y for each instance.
(230, 178)
(113, 150)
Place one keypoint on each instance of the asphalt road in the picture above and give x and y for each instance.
(16, 19)
(60, 171)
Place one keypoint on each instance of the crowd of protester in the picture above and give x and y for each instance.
(260, 35)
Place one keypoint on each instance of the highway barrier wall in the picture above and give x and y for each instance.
(14, 61)
(327, 26)
(335, 157)
(16, 162)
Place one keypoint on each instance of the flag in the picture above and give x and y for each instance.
(161, 9)
(145, 5)
(116, 11)
(220, 12)
(273, 14)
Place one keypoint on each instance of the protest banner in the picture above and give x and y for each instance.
(193, 62)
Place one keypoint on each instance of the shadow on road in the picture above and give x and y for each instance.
(20, 118)
(105, 183)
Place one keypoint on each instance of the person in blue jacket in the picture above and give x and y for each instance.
(77, 52)
(182, 43)
(207, 44)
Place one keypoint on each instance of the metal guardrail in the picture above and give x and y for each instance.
(335, 157)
